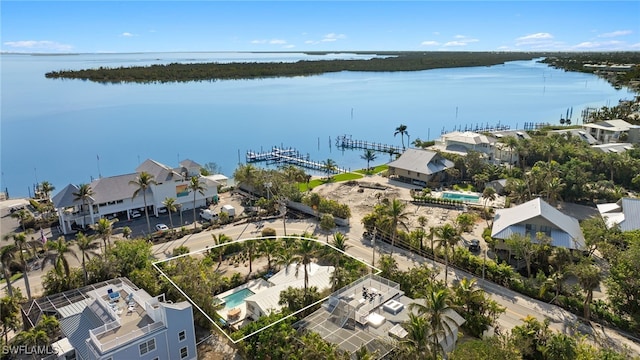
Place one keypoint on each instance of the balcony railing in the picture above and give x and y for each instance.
(125, 338)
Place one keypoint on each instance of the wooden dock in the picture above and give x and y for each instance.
(346, 142)
(281, 155)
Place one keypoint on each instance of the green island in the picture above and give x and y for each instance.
(388, 61)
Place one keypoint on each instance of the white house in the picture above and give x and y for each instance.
(533, 217)
(617, 130)
(116, 320)
(266, 301)
(625, 214)
(461, 143)
(113, 196)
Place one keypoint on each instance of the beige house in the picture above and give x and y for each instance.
(611, 131)
(419, 167)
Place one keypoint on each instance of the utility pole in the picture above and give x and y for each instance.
(373, 247)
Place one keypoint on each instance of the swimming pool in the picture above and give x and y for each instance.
(461, 197)
(237, 298)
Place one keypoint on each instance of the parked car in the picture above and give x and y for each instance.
(162, 210)
(135, 214)
(161, 227)
(474, 245)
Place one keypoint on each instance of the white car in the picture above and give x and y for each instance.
(161, 227)
(135, 214)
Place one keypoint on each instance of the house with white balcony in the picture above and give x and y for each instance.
(113, 196)
(116, 320)
(461, 143)
(612, 131)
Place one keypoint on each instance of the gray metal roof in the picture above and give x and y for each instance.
(76, 328)
(160, 172)
(509, 221)
(65, 198)
(422, 161)
(631, 210)
(115, 188)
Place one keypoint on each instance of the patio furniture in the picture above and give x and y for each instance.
(233, 313)
(113, 295)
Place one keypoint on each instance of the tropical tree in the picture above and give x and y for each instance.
(416, 344)
(589, 277)
(523, 248)
(104, 230)
(22, 215)
(7, 258)
(170, 204)
(369, 155)
(439, 314)
(488, 194)
(47, 188)
(449, 237)
(329, 167)
(58, 251)
(246, 175)
(552, 190)
(143, 181)
(305, 253)
(23, 246)
(402, 130)
(196, 187)
(478, 310)
(10, 313)
(395, 210)
(84, 194)
(518, 190)
(87, 247)
(269, 247)
(511, 142)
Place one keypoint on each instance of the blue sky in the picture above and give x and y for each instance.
(155, 26)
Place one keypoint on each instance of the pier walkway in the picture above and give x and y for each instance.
(346, 142)
(281, 155)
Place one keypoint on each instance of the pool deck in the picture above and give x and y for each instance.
(256, 286)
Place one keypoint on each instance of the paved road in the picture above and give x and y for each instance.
(517, 305)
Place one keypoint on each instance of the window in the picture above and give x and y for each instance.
(546, 230)
(184, 352)
(156, 358)
(182, 335)
(147, 346)
(530, 229)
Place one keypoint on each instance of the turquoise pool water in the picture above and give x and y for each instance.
(462, 197)
(236, 298)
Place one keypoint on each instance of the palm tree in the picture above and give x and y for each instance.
(488, 194)
(196, 187)
(439, 314)
(269, 247)
(58, 256)
(552, 190)
(8, 257)
(329, 167)
(21, 243)
(246, 175)
(416, 342)
(510, 142)
(22, 215)
(369, 155)
(104, 230)
(143, 181)
(449, 237)
(252, 248)
(307, 250)
(87, 246)
(84, 194)
(397, 216)
(402, 130)
(170, 204)
(47, 188)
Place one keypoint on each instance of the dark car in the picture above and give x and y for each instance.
(474, 245)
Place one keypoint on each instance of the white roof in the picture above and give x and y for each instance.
(610, 125)
(467, 137)
(267, 299)
(509, 221)
(625, 213)
(422, 161)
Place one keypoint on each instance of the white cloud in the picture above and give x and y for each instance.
(258, 41)
(429, 43)
(615, 33)
(635, 46)
(461, 40)
(38, 45)
(277, 42)
(436, 33)
(335, 36)
(536, 36)
(603, 45)
(127, 34)
(289, 46)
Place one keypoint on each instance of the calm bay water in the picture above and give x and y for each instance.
(55, 130)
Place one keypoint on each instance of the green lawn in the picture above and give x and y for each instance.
(336, 178)
(375, 170)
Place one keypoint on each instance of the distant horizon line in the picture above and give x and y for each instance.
(309, 52)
